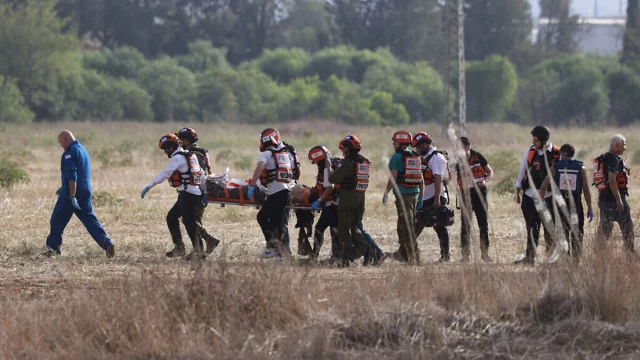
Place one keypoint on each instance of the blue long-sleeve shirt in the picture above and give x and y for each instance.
(75, 165)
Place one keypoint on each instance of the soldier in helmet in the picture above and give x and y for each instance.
(353, 178)
(536, 160)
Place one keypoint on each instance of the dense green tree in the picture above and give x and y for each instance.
(308, 26)
(173, 89)
(491, 88)
(33, 47)
(202, 57)
(496, 27)
(568, 89)
(559, 34)
(631, 43)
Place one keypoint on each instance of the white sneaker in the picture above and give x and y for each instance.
(269, 253)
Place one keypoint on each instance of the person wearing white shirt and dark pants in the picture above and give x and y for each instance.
(537, 159)
(275, 171)
(434, 168)
(184, 173)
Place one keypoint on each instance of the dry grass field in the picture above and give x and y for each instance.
(141, 305)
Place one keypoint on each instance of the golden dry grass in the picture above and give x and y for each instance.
(142, 305)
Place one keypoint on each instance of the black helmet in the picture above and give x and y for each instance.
(188, 134)
(541, 132)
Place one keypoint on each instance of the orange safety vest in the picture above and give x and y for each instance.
(427, 173)
(282, 172)
(477, 170)
(411, 175)
(193, 176)
(359, 182)
(601, 178)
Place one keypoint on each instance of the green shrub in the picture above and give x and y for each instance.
(173, 89)
(12, 104)
(390, 112)
(331, 61)
(491, 88)
(11, 174)
(283, 65)
(302, 93)
(568, 88)
(416, 86)
(124, 61)
(624, 91)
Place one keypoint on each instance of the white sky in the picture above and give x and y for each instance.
(585, 8)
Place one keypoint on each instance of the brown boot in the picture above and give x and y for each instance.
(178, 251)
(212, 243)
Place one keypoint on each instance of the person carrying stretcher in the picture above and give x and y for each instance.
(275, 172)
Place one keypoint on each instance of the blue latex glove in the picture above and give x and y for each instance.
(204, 200)
(420, 204)
(59, 191)
(315, 205)
(590, 215)
(385, 199)
(74, 202)
(144, 192)
(252, 189)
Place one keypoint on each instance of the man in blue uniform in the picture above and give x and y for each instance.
(74, 197)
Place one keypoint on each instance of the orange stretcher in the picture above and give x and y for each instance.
(242, 201)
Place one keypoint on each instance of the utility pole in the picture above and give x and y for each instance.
(462, 95)
(595, 8)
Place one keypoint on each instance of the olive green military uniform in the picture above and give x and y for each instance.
(350, 210)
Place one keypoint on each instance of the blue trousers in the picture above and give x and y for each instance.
(61, 215)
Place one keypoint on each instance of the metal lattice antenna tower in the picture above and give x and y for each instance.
(454, 28)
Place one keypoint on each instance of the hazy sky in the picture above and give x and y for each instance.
(585, 8)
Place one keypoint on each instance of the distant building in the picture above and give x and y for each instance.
(601, 36)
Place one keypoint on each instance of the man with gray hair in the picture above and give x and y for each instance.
(611, 177)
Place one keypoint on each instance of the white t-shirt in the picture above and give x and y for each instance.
(438, 165)
(326, 184)
(270, 164)
(523, 171)
(176, 163)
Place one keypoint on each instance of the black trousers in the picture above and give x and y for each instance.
(608, 215)
(328, 219)
(443, 233)
(271, 218)
(472, 202)
(186, 207)
(533, 222)
(574, 237)
(201, 229)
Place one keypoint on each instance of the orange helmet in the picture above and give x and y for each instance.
(402, 137)
(420, 137)
(318, 154)
(351, 142)
(169, 140)
(269, 137)
(188, 134)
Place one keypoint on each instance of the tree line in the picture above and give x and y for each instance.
(364, 62)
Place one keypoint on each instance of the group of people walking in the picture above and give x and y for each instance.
(550, 185)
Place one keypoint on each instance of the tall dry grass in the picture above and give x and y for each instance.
(141, 305)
